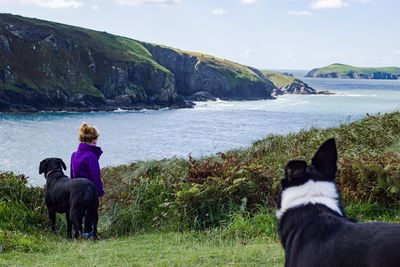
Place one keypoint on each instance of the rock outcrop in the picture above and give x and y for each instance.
(297, 87)
(288, 84)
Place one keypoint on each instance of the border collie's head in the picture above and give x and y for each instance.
(311, 184)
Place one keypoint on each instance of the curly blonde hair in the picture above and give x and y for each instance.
(88, 133)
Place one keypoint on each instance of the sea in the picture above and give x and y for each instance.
(209, 128)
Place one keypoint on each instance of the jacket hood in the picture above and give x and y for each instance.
(88, 147)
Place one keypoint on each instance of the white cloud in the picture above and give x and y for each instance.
(331, 4)
(300, 13)
(219, 11)
(395, 52)
(46, 3)
(327, 4)
(248, 2)
(247, 54)
(95, 7)
(148, 2)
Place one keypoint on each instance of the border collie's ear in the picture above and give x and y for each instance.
(295, 169)
(42, 166)
(325, 158)
(61, 162)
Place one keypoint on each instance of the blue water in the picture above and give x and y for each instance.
(211, 127)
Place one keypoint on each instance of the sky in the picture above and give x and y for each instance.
(266, 34)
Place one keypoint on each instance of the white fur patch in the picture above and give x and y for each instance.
(312, 192)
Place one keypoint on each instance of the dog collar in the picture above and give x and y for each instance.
(50, 172)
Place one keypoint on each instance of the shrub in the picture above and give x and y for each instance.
(21, 206)
(204, 193)
(235, 191)
(11, 240)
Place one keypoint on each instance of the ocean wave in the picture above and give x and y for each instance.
(120, 110)
(355, 95)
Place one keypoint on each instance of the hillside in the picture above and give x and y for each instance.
(51, 66)
(350, 72)
(288, 84)
(160, 210)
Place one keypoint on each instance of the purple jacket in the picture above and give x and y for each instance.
(85, 164)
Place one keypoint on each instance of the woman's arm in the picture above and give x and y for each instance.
(71, 173)
(94, 169)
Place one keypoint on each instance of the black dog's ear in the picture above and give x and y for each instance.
(61, 162)
(42, 166)
(325, 158)
(295, 169)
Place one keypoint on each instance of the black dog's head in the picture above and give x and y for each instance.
(322, 168)
(51, 164)
(311, 184)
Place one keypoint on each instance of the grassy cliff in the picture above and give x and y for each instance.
(346, 71)
(52, 66)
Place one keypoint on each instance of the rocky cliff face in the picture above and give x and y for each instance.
(220, 78)
(51, 66)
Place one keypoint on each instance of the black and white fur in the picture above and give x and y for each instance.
(77, 198)
(313, 228)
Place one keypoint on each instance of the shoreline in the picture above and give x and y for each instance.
(189, 104)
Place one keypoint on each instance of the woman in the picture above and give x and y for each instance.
(85, 164)
(85, 161)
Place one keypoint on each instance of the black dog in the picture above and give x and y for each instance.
(312, 225)
(77, 198)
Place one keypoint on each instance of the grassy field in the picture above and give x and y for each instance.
(212, 211)
(156, 249)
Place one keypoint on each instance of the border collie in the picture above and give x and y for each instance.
(313, 228)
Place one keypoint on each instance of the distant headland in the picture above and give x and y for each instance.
(343, 71)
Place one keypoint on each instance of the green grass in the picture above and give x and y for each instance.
(179, 194)
(217, 210)
(278, 79)
(153, 249)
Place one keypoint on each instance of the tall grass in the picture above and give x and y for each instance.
(21, 206)
(204, 193)
(232, 194)
(22, 214)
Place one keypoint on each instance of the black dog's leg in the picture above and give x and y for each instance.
(52, 217)
(88, 221)
(76, 219)
(95, 217)
(69, 225)
(95, 221)
(91, 220)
